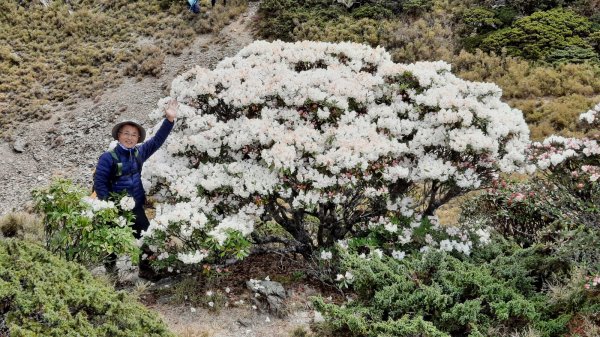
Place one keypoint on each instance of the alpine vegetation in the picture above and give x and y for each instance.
(333, 132)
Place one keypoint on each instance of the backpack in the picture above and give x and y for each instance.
(117, 168)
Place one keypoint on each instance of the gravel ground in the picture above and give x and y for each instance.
(69, 143)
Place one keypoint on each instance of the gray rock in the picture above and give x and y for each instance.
(19, 145)
(271, 297)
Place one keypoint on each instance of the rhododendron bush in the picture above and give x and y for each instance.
(335, 132)
(572, 165)
(560, 198)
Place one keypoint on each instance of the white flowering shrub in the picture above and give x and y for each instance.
(84, 229)
(336, 132)
(572, 165)
(562, 196)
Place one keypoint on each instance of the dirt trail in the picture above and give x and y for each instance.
(69, 143)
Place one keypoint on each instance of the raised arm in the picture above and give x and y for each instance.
(154, 143)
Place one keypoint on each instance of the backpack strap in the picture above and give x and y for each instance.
(117, 161)
(138, 159)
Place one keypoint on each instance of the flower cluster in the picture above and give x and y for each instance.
(418, 236)
(288, 130)
(592, 283)
(591, 116)
(574, 157)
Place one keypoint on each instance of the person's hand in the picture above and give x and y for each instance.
(171, 111)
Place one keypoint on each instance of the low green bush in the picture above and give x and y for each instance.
(498, 291)
(42, 295)
(543, 36)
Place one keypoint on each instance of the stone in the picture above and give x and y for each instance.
(273, 292)
(19, 145)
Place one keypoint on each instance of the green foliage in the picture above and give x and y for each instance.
(480, 20)
(83, 230)
(439, 295)
(526, 7)
(372, 11)
(572, 55)
(42, 295)
(539, 35)
(292, 20)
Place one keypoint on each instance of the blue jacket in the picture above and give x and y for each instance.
(131, 179)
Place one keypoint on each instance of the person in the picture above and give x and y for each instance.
(194, 6)
(120, 169)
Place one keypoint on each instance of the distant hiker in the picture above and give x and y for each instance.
(120, 170)
(194, 6)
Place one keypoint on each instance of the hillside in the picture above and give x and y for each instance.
(70, 141)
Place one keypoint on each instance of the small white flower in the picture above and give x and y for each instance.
(325, 255)
(193, 309)
(227, 290)
(211, 304)
(127, 203)
(209, 293)
(398, 255)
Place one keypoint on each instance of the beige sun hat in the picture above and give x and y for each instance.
(117, 127)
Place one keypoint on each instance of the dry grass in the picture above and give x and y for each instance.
(23, 226)
(65, 52)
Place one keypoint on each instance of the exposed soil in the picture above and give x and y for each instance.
(235, 314)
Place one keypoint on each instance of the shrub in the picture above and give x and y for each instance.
(23, 226)
(148, 60)
(335, 132)
(83, 229)
(541, 34)
(440, 295)
(554, 204)
(42, 295)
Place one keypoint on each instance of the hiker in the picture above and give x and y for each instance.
(120, 170)
(194, 6)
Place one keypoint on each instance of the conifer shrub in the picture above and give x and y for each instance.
(543, 35)
(42, 295)
(498, 291)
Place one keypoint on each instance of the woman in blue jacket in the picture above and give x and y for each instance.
(120, 169)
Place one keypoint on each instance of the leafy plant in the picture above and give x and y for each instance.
(82, 229)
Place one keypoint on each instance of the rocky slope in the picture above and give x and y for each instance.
(69, 143)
